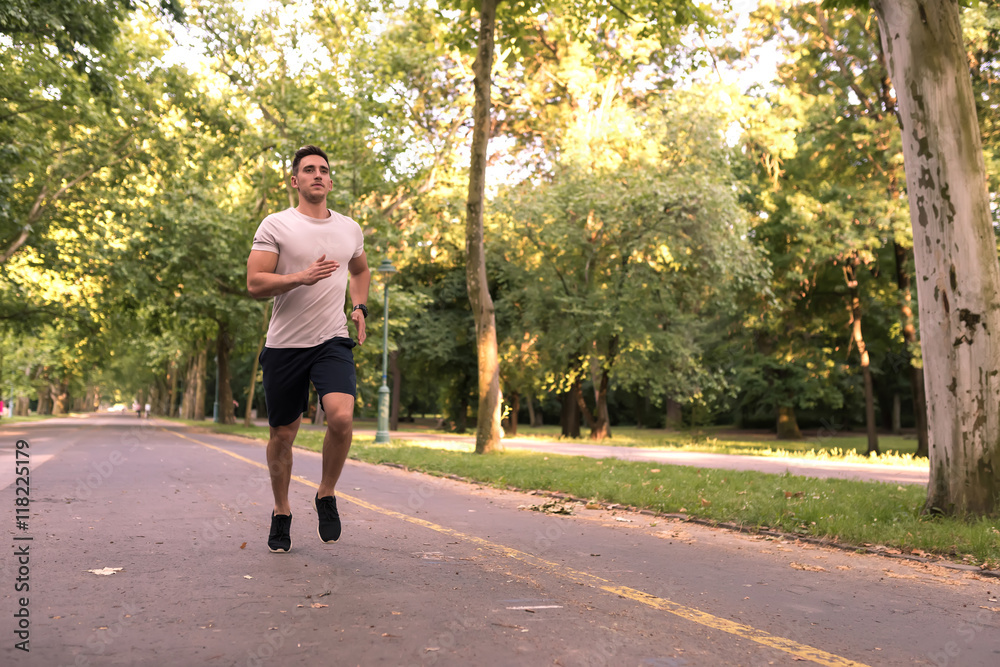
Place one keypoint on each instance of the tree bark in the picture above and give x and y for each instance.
(488, 415)
(788, 426)
(187, 398)
(958, 286)
(601, 428)
(60, 397)
(223, 346)
(531, 411)
(45, 402)
(675, 417)
(515, 407)
(569, 418)
(172, 372)
(851, 276)
(891, 106)
(201, 361)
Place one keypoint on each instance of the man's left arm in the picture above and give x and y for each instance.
(360, 279)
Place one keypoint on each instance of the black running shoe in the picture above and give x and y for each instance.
(329, 518)
(280, 539)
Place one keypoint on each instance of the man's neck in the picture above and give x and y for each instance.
(310, 210)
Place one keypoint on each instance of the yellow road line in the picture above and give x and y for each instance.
(801, 651)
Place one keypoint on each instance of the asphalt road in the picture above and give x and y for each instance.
(428, 571)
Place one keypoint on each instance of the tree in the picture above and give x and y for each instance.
(653, 17)
(630, 249)
(958, 284)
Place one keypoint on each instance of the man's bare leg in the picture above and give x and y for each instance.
(337, 441)
(279, 463)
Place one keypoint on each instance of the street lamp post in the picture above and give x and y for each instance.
(215, 408)
(382, 434)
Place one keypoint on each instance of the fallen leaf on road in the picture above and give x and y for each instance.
(843, 567)
(247, 576)
(386, 634)
(623, 519)
(550, 507)
(243, 546)
(432, 648)
(106, 570)
(593, 506)
(317, 605)
(807, 568)
(996, 609)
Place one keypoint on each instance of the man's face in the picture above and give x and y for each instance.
(313, 179)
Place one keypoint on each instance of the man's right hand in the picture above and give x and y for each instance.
(318, 270)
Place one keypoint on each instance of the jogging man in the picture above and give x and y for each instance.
(302, 257)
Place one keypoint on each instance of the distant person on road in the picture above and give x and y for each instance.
(137, 408)
(148, 409)
(302, 257)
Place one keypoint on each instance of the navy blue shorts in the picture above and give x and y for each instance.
(288, 371)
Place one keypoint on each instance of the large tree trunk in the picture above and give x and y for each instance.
(675, 417)
(187, 398)
(171, 400)
(569, 418)
(891, 106)
(515, 407)
(788, 426)
(958, 286)
(201, 361)
(44, 401)
(488, 420)
(601, 428)
(851, 276)
(223, 346)
(60, 397)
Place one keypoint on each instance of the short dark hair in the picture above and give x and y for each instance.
(306, 151)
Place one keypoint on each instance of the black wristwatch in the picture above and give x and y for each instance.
(362, 307)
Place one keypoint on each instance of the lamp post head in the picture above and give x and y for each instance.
(386, 269)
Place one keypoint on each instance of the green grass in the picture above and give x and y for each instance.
(29, 418)
(845, 511)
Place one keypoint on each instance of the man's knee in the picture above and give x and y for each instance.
(284, 436)
(339, 410)
(339, 421)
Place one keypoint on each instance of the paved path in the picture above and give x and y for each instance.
(795, 466)
(429, 571)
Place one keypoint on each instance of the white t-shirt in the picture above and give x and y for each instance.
(309, 315)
